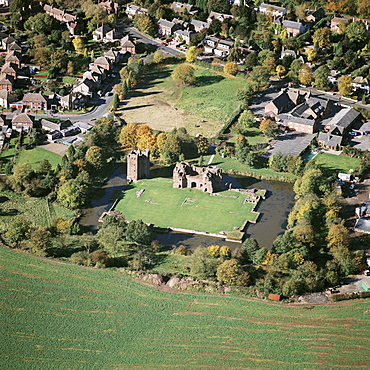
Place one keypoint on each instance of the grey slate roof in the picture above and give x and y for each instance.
(165, 23)
(345, 117)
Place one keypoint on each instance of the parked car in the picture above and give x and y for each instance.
(353, 133)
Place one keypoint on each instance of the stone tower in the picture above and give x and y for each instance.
(138, 164)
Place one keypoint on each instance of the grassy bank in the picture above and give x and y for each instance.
(63, 316)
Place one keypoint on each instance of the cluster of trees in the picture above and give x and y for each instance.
(286, 163)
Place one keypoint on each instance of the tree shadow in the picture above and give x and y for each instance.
(207, 80)
(138, 107)
(3, 199)
(10, 212)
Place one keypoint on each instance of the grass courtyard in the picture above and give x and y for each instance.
(333, 163)
(164, 206)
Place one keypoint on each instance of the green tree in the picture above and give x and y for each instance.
(72, 194)
(40, 23)
(251, 60)
(95, 157)
(115, 102)
(43, 167)
(249, 248)
(259, 78)
(202, 144)
(158, 56)
(305, 75)
(202, 265)
(111, 239)
(321, 77)
(184, 74)
(322, 37)
(230, 272)
(344, 85)
(144, 24)
(247, 119)
(312, 181)
(191, 54)
(231, 68)
(22, 174)
(338, 237)
(295, 67)
(356, 32)
(171, 150)
(139, 232)
(40, 240)
(242, 149)
(17, 229)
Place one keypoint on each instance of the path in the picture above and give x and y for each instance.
(211, 159)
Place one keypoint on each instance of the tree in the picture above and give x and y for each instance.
(158, 56)
(338, 237)
(344, 85)
(115, 102)
(231, 68)
(124, 89)
(247, 119)
(184, 74)
(43, 167)
(269, 65)
(234, 55)
(171, 149)
(269, 127)
(230, 272)
(242, 149)
(321, 77)
(258, 78)
(251, 60)
(78, 44)
(40, 23)
(322, 37)
(191, 54)
(249, 248)
(139, 232)
(144, 24)
(147, 141)
(17, 229)
(305, 75)
(202, 265)
(295, 67)
(70, 67)
(72, 194)
(40, 240)
(110, 239)
(22, 174)
(94, 156)
(128, 137)
(219, 6)
(280, 70)
(357, 32)
(311, 182)
(202, 144)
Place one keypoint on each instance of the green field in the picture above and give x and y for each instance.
(336, 163)
(36, 155)
(60, 316)
(36, 210)
(163, 206)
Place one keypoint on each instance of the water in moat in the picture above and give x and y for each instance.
(273, 210)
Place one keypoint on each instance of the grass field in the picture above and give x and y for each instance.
(164, 206)
(60, 316)
(336, 163)
(36, 155)
(163, 105)
(35, 210)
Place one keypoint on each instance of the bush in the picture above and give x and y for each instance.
(81, 258)
(99, 257)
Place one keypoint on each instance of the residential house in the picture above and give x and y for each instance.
(294, 28)
(312, 108)
(73, 101)
(219, 16)
(102, 62)
(9, 69)
(336, 21)
(199, 25)
(361, 83)
(14, 47)
(166, 28)
(93, 76)
(275, 11)
(7, 41)
(106, 34)
(14, 57)
(110, 7)
(5, 2)
(4, 99)
(344, 119)
(223, 48)
(55, 126)
(98, 70)
(210, 43)
(315, 15)
(132, 10)
(127, 45)
(6, 82)
(183, 8)
(34, 101)
(282, 103)
(183, 36)
(305, 125)
(329, 141)
(112, 55)
(85, 87)
(22, 122)
(83, 126)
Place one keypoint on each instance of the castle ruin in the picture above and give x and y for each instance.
(207, 179)
(138, 165)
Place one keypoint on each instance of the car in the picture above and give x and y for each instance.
(353, 133)
(352, 186)
(366, 132)
(163, 44)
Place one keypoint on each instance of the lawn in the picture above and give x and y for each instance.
(36, 210)
(336, 163)
(202, 109)
(36, 155)
(60, 316)
(165, 206)
(68, 80)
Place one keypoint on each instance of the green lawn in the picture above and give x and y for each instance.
(60, 316)
(163, 206)
(68, 80)
(336, 163)
(36, 155)
(36, 210)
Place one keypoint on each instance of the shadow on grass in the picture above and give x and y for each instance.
(207, 80)
(137, 107)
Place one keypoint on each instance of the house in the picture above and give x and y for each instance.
(7, 41)
(223, 47)
(4, 99)
(219, 16)
(183, 8)
(85, 87)
(343, 119)
(294, 28)
(132, 10)
(5, 3)
(83, 126)
(210, 43)
(199, 25)
(110, 7)
(315, 15)
(54, 126)
(166, 28)
(106, 34)
(34, 101)
(183, 36)
(275, 11)
(92, 76)
(6, 82)
(72, 23)
(73, 101)
(127, 45)
(361, 83)
(14, 47)
(282, 103)
(312, 108)
(336, 21)
(329, 141)
(112, 55)
(9, 69)
(98, 70)
(305, 125)
(14, 57)
(102, 62)
(22, 122)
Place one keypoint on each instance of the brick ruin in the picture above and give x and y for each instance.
(138, 165)
(207, 179)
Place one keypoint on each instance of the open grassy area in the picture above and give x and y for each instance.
(163, 105)
(61, 316)
(36, 210)
(232, 166)
(36, 155)
(68, 80)
(165, 206)
(336, 163)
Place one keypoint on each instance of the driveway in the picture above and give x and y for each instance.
(361, 142)
(291, 143)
